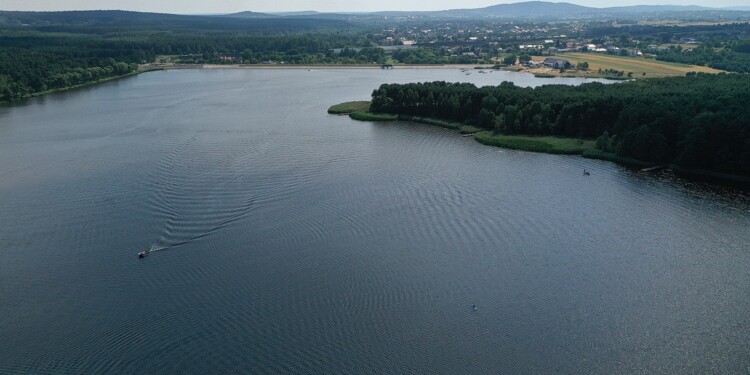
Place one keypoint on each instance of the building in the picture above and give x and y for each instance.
(552, 62)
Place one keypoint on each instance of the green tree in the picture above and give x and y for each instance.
(499, 124)
(485, 119)
(603, 142)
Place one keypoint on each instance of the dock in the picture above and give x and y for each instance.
(653, 169)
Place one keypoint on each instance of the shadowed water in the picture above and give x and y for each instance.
(292, 241)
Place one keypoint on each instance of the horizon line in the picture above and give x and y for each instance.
(273, 12)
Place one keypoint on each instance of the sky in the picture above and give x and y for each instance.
(226, 6)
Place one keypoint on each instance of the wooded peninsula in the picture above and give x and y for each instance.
(700, 122)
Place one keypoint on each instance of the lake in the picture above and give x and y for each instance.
(288, 240)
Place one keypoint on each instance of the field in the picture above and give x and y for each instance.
(636, 65)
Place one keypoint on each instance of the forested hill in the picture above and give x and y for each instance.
(108, 21)
(696, 122)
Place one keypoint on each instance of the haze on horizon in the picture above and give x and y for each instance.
(228, 6)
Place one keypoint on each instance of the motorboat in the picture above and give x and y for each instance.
(143, 254)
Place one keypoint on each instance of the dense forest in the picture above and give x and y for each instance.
(42, 51)
(32, 61)
(30, 64)
(697, 122)
(733, 59)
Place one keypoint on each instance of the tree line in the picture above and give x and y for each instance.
(733, 59)
(32, 61)
(700, 121)
(29, 64)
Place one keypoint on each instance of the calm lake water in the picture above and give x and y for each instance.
(293, 241)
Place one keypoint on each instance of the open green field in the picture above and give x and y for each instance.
(636, 65)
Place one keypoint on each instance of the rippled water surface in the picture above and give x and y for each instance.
(293, 241)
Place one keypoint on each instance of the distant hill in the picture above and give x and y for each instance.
(249, 14)
(546, 9)
(307, 14)
(655, 8)
(106, 21)
(113, 20)
(537, 9)
(293, 14)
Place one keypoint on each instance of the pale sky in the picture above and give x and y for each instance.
(226, 6)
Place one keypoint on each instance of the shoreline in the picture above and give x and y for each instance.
(78, 86)
(310, 66)
(536, 72)
(542, 144)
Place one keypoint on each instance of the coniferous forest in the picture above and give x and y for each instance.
(700, 121)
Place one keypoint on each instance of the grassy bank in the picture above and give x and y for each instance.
(432, 121)
(349, 107)
(553, 145)
(550, 145)
(360, 111)
(369, 116)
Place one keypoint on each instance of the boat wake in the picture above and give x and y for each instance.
(200, 187)
(166, 244)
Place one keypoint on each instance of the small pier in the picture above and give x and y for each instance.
(653, 169)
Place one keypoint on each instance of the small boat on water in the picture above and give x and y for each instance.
(143, 254)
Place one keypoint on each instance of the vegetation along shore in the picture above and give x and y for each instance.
(698, 124)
